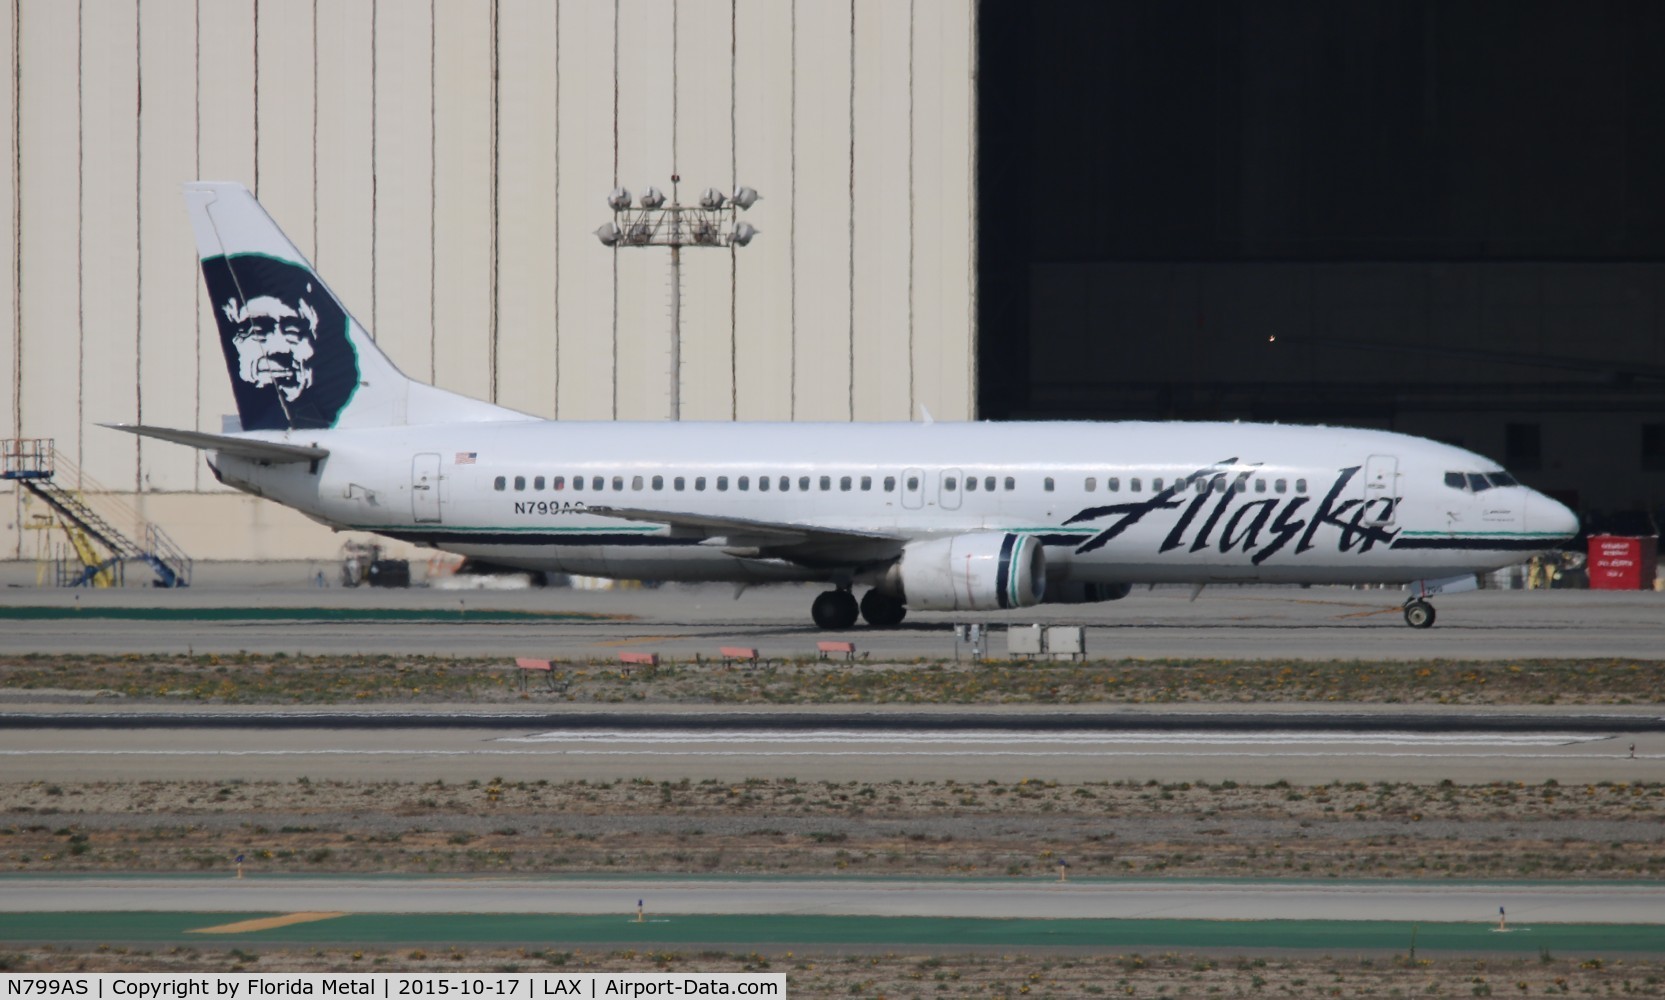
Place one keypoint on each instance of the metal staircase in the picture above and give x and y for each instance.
(34, 463)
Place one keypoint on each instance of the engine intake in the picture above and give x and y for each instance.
(983, 571)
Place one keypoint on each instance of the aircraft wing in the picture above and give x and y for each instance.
(250, 448)
(799, 542)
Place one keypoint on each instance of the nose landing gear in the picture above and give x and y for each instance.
(1419, 613)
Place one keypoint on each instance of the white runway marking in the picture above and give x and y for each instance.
(974, 737)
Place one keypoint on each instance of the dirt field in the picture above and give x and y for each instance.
(1501, 830)
(281, 680)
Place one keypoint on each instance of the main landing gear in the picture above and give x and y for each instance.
(882, 610)
(1419, 613)
(837, 609)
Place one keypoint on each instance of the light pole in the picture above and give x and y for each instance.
(714, 222)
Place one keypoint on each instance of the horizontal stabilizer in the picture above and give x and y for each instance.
(243, 447)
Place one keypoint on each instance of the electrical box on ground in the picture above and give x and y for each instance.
(1047, 640)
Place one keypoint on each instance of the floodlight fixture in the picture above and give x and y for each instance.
(654, 222)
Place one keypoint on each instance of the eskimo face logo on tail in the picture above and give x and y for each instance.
(285, 342)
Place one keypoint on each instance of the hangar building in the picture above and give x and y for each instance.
(1447, 215)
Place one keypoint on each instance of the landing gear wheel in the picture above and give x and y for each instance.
(882, 610)
(1419, 614)
(835, 609)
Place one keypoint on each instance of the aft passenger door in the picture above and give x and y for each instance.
(1381, 489)
(424, 488)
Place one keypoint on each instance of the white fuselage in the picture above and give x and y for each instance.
(1252, 501)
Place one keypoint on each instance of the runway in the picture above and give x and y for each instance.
(682, 621)
(987, 898)
(668, 752)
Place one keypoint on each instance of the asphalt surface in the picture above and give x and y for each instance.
(668, 752)
(1607, 904)
(682, 621)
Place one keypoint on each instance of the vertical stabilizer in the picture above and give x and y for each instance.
(297, 359)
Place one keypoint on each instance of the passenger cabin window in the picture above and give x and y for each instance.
(971, 484)
(1113, 484)
(763, 483)
(826, 483)
(1156, 485)
(558, 482)
(722, 483)
(1133, 485)
(577, 482)
(745, 483)
(890, 484)
(950, 483)
(913, 483)
(636, 482)
(785, 483)
(1046, 484)
(499, 483)
(1011, 483)
(679, 484)
(1260, 486)
(596, 483)
(699, 482)
(803, 484)
(1091, 484)
(1281, 486)
(866, 483)
(1300, 486)
(844, 484)
(988, 484)
(537, 483)
(618, 484)
(658, 482)
(520, 482)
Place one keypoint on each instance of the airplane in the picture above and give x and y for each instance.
(972, 516)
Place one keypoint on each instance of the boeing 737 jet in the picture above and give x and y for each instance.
(930, 516)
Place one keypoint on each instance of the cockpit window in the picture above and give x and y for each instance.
(1478, 482)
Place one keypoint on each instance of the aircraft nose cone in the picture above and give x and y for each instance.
(1550, 516)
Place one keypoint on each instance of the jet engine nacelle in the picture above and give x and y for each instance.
(984, 571)
(1076, 592)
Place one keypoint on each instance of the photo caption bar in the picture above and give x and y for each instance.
(389, 985)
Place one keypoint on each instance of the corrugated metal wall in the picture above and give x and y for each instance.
(444, 163)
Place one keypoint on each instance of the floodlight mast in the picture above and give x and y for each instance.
(714, 222)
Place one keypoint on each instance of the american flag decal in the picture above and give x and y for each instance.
(466, 457)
